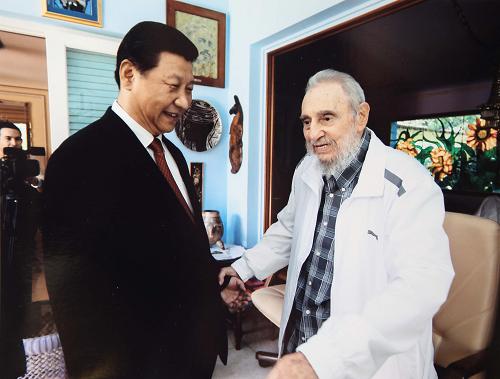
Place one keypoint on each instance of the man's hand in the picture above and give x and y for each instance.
(235, 295)
(292, 366)
(227, 271)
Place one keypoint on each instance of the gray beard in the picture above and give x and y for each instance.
(345, 154)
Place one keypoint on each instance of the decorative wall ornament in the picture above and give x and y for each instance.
(207, 30)
(196, 170)
(214, 227)
(200, 127)
(87, 12)
(236, 136)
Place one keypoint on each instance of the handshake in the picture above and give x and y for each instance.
(236, 297)
(234, 294)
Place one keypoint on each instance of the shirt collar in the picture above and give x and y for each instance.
(142, 134)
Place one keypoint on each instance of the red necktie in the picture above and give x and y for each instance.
(159, 155)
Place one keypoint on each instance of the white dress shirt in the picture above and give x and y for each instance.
(146, 138)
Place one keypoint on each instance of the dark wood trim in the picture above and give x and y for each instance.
(383, 11)
(269, 141)
(176, 6)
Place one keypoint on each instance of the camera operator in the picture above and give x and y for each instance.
(10, 136)
(21, 212)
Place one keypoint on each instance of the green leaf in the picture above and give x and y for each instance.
(491, 153)
(469, 150)
(424, 154)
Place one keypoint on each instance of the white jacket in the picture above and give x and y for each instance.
(392, 267)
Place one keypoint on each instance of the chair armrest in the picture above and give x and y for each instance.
(465, 367)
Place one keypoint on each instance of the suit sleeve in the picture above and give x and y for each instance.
(420, 273)
(76, 216)
(272, 253)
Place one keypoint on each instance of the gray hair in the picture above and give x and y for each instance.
(350, 86)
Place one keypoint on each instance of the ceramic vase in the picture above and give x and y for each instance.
(214, 227)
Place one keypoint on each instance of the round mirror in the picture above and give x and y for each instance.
(200, 128)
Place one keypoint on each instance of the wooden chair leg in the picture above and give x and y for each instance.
(238, 332)
(266, 359)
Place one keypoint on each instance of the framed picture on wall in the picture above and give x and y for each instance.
(207, 30)
(196, 169)
(87, 12)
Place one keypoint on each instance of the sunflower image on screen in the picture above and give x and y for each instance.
(459, 150)
(200, 127)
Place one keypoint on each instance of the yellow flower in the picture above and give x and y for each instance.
(407, 147)
(481, 138)
(442, 163)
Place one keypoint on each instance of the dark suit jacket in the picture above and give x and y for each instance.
(131, 279)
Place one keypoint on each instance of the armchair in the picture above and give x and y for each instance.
(464, 325)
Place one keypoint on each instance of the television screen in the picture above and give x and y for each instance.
(458, 150)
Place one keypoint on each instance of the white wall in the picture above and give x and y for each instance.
(118, 15)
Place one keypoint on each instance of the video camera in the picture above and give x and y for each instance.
(16, 168)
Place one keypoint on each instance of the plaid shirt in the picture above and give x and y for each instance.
(312, 299)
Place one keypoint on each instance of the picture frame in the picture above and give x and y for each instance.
(86, 12)
(196, 172)
(207, 30)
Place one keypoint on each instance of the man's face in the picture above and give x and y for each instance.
(331, 129)
(159, 97)
(9, 138)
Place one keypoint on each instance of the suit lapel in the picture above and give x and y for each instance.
(140, 164)
(186, 178)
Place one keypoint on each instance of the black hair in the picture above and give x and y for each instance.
(143, 44)
(9, 125)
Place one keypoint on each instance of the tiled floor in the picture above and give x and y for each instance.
(242, 363)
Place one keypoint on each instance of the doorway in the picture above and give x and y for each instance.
(24, 87)
(413, 58)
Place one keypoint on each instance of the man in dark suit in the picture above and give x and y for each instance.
(130, 276)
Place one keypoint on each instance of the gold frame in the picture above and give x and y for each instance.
(194, 13)
(59, 16)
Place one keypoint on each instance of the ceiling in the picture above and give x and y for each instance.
(23, 61)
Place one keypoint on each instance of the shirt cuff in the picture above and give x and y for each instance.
(243, 269)
(320, 359)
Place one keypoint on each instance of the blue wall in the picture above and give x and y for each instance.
(118, 18)
(216, 161)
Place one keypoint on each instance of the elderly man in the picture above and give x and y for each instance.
(368, 259)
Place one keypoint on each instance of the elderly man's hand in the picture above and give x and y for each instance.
(292, 366)
(227, 271)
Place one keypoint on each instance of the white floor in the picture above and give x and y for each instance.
(241, 364)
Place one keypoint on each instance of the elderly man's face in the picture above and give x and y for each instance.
(330, 126)
(9, 138)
